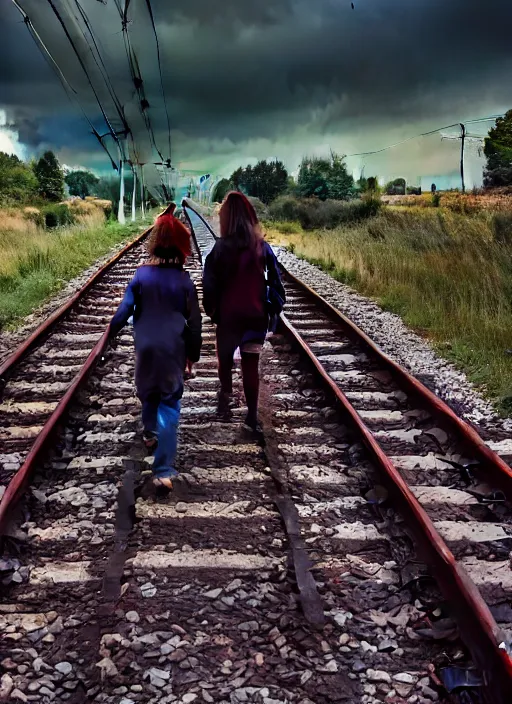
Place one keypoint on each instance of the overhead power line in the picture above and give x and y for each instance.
(153, 24)
(425, 134)
(68, 88)
(98, 60)
(84, 69)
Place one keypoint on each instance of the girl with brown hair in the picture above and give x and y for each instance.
(242, 291)
(167, 323)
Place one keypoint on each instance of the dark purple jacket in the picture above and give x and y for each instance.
(167, 323)
(235, 288)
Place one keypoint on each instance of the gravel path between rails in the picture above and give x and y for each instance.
(10, 339)
(399, 342)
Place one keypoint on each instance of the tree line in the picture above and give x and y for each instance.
(324, 178)
(45, 179)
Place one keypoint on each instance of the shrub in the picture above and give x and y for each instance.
(313, 214)
(285, 208)
(260, 208)
(58, 215)
(396, 187)
(18, 183)
(34, 215)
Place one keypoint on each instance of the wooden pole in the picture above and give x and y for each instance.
(462, 143)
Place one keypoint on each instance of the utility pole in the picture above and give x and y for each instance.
(120, 210)
(133, 193)
(462, 142)
(142, 211)
(464, 137)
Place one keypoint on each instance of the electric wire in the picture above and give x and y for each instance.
(68, 88)
(80, 60)
(424, 134)
(153, 24)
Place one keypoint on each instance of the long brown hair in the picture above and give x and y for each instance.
(239, 222)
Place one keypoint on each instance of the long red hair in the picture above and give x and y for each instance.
(169, 241)
(239, 222)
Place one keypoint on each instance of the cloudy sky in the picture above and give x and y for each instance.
(251, 79)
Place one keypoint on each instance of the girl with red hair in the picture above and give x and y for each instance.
(167, 323)
(242, 292)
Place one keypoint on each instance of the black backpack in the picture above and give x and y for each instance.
(275, 292)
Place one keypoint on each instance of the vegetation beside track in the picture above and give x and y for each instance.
(35, 262)
(447, 274)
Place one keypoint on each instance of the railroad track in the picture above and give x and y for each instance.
(452, 490)
(112, 596)
(40, 377)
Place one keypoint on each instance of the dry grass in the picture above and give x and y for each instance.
(36, 262)
(458, 202)
(448, 275)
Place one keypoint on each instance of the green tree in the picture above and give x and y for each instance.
(81, 183)
(270, 180)
(221, 188)
(395, 187)
(498, 150)
(107, 188)
(17, 180)
(373, 184)
(362, 184)
(236, 178)
(340, 183)
(313, 178)
(50, 177)
(325, 178)
(265, 181)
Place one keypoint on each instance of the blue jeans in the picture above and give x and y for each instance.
(161, 415)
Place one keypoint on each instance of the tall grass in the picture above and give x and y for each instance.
(35, 263)
(447, 274)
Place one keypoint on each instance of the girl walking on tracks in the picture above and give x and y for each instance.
(167, 322)
(243, 293)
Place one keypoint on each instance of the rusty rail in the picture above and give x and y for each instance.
(39, 334)
(477, 626)
(20, 480)
(495, 470)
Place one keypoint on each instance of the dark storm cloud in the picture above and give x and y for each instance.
(229, 13)
(29, 129)
(281, 70)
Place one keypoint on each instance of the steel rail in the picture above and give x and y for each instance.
(39, 334)
(192, 231)
(19, 482)
(493, 469)
(477, 626)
